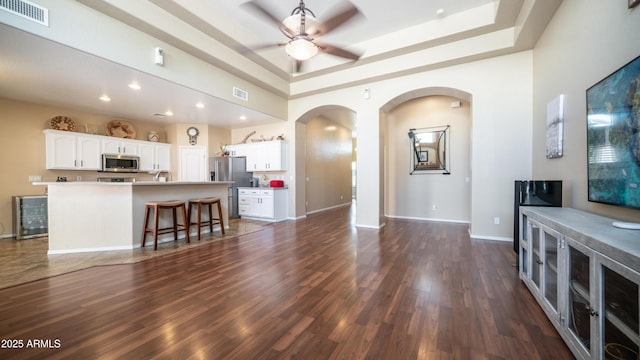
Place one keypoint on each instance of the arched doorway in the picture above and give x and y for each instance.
(427, 195)
(325, 158)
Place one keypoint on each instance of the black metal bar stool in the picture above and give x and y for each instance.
(156, 206)
(207, 202)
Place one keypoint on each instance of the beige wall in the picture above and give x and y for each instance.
(328, 159)
(571, 56)
(218, 137)
(23, 148)
(415, 196)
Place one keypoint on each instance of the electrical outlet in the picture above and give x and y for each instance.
(78, 178)
(35, 178)
(496, 220)
(434, 207)
(341, 197)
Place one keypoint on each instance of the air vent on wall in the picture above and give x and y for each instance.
(240, 94)
(27, 10)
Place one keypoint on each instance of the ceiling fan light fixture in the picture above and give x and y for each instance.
(301, 49)
(311, 24)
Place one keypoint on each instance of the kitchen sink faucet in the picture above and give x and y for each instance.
(157, 175)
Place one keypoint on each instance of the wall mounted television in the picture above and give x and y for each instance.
(613, 138)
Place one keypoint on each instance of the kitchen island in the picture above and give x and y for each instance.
(103, 216)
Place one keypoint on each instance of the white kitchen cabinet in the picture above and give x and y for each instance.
(589, 285)
(154, 156)
(112, 145)
(76, 151)
(263, 155)
(269, 156)
(238, 150)
(262, 204)
(71, 151)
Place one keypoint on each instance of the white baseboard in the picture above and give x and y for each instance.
(492, 238)
(427, 219)
(371, 227)
(75, 251)
(329, 208)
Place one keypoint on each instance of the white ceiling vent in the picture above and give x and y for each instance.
(240, 94)
(27, 10)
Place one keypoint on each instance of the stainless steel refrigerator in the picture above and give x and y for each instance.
(226, 168)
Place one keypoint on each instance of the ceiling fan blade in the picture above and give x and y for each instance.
(247, 49)
(333, 50)
(261, 10)
(342, 15)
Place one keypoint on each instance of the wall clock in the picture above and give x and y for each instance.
(193, 135)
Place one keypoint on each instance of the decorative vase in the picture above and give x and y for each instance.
(153, 136)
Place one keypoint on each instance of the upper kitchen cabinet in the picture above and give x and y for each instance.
(71, 151)
(121, 146)
(238, 150)
(263, 155)
(267, 156)
(154, 156)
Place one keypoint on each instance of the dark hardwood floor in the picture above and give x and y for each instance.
(317, 288)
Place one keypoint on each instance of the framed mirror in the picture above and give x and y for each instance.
(429, 150)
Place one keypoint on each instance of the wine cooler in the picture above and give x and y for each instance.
(30, 216)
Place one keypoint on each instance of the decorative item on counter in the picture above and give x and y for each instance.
(63, 123)
(153, 136)
(224, 151)
(280, 137)
(61, 179)
(244, 141)
(121, 129)
(193, 135)
(265, 180)
(276, 183)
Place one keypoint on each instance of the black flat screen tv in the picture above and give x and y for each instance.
(613, 138)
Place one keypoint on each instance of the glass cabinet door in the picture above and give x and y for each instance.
(620, 335)
(523, 261)
(536, 262)
(550, 288)
(578, 318)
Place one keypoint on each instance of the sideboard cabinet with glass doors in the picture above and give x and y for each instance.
(585, 275)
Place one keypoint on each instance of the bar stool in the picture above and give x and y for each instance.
(156, 206)
(208, 202)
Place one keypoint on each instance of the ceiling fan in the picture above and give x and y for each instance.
(302, 29)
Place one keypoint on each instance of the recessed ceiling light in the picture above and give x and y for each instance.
(440, 12)
(330, 128)
(200, 105)
(168, 113)
(242, 117)
(134, 86)
(105, 98)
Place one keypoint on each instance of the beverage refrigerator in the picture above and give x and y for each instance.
(534, 193)
(227, 168)
(30, 218)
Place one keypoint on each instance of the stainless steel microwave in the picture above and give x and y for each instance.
(120, 163)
